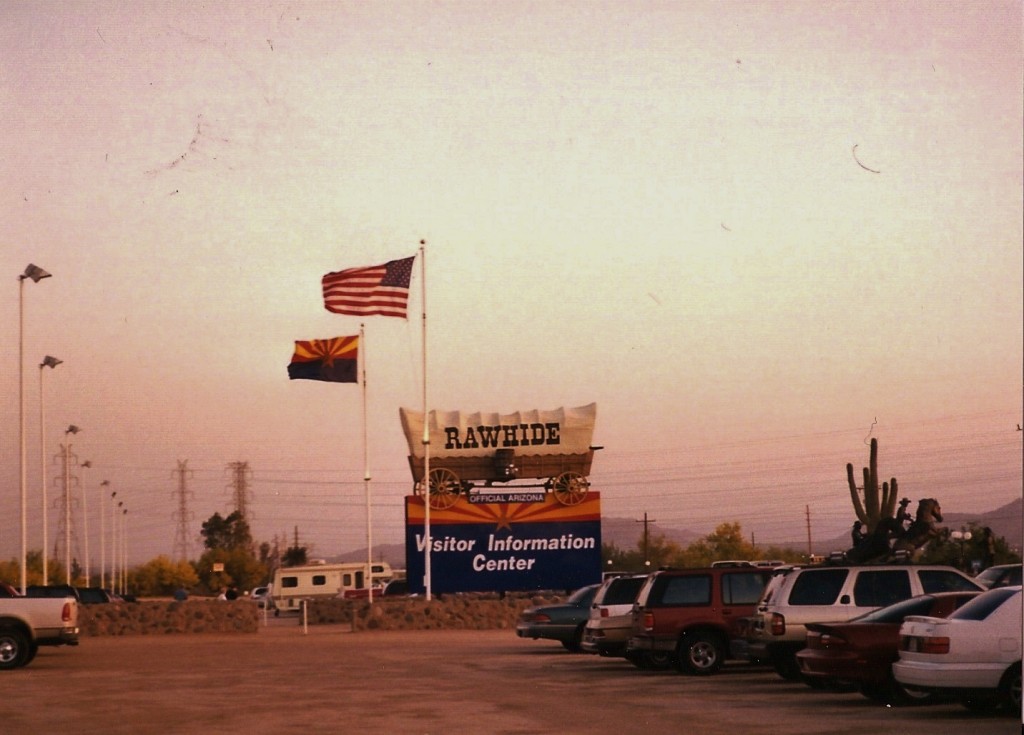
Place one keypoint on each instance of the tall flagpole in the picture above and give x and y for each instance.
(366, 469)
(426, 429)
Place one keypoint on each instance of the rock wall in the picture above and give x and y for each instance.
(478, 611)
(156, 617)
(461, 612)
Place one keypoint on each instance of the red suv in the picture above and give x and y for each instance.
(687, 617)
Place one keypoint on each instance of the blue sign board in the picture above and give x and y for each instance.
(489, 542)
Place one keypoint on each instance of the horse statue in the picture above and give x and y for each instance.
(924, 528)
(892, 538)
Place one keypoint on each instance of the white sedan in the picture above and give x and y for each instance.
(974, 655)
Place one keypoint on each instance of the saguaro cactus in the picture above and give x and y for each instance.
(877, 503)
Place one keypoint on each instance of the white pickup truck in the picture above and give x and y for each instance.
(29, 622)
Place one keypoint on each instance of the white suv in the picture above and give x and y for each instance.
(831, 594)
(611, 616)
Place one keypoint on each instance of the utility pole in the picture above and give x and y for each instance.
(182, 538)
(646, 521)
(807, 511)
(240, 484)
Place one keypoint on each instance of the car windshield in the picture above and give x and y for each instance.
(772, 587)
(622, 591)
(984, 604)
(999, 576)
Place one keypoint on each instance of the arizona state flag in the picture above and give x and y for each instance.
(334, 360)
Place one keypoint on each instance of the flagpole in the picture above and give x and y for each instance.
(366, 469)
(426, 430)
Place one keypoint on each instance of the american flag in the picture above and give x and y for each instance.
(378, 289)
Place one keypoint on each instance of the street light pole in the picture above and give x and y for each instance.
(103, 530)
(36, 274)
(85, 523)
(50, 362)
(67, 499)
(124, 552)
(113, 542)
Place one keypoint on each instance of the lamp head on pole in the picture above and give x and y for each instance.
(72, 429)
(50, 361)
(35, 273)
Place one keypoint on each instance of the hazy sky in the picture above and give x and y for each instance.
(755, 234)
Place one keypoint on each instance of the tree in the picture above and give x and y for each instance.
(231, 532)
(294, 556)
(725, 543)
(619, 560)
(10, 571)
(969, 554)
(230, 558)
(219, 568)
(162, 576)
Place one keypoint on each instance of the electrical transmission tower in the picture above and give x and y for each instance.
(240, 476)
(67, 539)
(182, 538)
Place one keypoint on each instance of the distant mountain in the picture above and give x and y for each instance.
(1004, 521)
(626, 533)
(393, 554)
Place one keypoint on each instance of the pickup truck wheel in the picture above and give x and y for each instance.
(700, 654)
(14, 648)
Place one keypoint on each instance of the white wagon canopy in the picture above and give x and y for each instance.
(554, 445)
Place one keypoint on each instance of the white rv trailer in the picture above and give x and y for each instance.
(292, 585)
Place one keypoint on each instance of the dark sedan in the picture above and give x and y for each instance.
(863, 650)
(563, 622)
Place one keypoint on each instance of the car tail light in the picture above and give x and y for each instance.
(827, 640)
(648, 620)
(604, 612)
(925, 644)
(778, 624)
(541, 618)
(65, 614)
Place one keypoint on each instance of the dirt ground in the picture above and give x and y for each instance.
(430, 682)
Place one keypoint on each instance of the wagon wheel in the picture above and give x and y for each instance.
(444, 488)
(570, 488)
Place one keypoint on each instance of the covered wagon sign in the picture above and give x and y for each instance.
(508, 500)
(466, 449)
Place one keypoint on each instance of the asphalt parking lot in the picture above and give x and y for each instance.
(430, 682)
